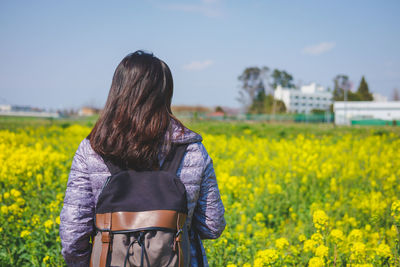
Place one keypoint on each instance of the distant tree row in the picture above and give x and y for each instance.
(342, 90)
(257, 87)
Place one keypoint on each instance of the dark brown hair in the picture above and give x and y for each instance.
(131, 128)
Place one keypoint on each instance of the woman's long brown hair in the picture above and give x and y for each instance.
(131, 128)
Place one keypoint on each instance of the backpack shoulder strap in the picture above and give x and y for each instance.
(172, 164)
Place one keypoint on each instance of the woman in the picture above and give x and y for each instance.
(136, 130)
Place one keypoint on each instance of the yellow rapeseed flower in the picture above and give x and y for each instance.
(355, 235)
(337, 236)
(316, 262)
(4, 209)
(302, 238)
(281, 243)
(46, 259)
(25, 233)
(48, 224)
(15, 193)
(259, 217)
(395, 211)
(321, 251)
(309, 245)
(358, 251)
(383, 251)
(266, 258)
(318, 238)
(320, 219)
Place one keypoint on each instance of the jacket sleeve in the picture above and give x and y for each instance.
(76, 218)
(208, 217)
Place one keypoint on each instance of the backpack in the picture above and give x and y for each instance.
(140, 217)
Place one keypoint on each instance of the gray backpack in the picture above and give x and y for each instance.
(140, 217)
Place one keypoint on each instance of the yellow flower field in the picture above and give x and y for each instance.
(321, 201)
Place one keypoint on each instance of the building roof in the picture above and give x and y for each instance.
(366, 105)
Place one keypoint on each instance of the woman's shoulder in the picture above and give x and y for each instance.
(180, 134)
(86, 148)
(199, 149)
(94, 161)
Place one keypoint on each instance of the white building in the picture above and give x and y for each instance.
(379, 98)
(5, 108)
(25, 111)
(345, 112)
(305, 99)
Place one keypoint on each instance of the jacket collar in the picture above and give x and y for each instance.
(178, 135)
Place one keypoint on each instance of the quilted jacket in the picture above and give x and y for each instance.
(88, 174)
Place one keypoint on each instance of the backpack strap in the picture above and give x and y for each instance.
(171, 164)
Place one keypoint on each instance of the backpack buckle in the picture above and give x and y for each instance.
(178, 232)
(106, 237)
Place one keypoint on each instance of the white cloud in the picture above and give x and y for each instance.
(319, 49)
(198, 65)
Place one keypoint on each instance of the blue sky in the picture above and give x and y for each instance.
(57, 54)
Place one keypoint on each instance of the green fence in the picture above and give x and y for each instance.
(301, 118)
(374, 122)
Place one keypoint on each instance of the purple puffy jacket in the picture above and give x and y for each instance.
(89, 173)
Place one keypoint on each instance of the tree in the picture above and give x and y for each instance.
(265, 104)
(363, 91)
(219, 109)
(395, 96)
(340, 83)
(256, 92)
(259, 104)
(282, 78)
(342, 89)
(253, 81)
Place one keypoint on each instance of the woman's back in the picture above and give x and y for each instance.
(89, 173)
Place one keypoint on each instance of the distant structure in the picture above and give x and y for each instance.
(369, 112)
(379, 98)
(304, 99)
(183, 109)
(26, 111)
(5, 108)
(88, 111)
